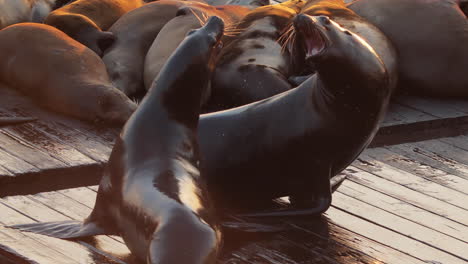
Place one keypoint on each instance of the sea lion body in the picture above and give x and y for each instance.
(60, 74)
(254, 65)
(135, 32)
(11, 121)
(292, 143)
(152, 193)
(430, 38)
(189, 17)
(85, 20)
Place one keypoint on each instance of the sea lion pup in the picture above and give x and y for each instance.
(152, 193)
(60, 74)
(431, 39)
(248, 3)
(337, 11)
(188, 18)
(135, 32)
(10, 121)
(254, 66)
(294, 142)
(85, 20)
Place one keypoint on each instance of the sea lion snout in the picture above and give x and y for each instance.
(215, 25)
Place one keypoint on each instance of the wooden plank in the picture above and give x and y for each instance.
(43, 141)
(14, 165)
(411, 181)
(419, 169)
(405, 194)
(30, 248)
(431, 159)
(40, 159)
(11, 256)
(459, 142)
(104, 246)
(447, 246)
(390, 238)
(444, 150)
(400, 114)
(437, 107)
(405, 210)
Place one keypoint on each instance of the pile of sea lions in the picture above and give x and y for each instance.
(241, 102)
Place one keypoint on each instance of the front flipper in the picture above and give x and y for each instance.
(308, 202)
(63, 229)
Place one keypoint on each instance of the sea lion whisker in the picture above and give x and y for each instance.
(198, 18)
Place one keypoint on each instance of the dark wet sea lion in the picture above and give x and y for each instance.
(135, 32)
(10, 121)
(254, 66)
(292, 143)
(86, 20)
(338, 12)
(188, 18)
(60, 74)
(152, 194)
(431, 39)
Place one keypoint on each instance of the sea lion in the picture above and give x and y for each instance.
(254, 66)
(292, 143)
(60, 74)
(338, 12)
(189, 17)
(10, 121)
(152, 193)
(430, 38)
(248, 3)
(85, 20)
(17, 11)
(135, 32)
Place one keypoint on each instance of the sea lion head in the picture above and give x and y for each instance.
(344, 60)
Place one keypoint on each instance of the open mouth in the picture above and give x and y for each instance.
(313, 40)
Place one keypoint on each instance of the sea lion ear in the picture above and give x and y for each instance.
(105, 41)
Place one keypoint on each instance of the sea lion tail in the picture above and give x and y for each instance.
(62, 229)
(8, 121)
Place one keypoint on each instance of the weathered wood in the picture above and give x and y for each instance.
(405, 210)
(102, 245)
(436, 107)
(411, 181)
(444, 150)
(390, 238)
(448, 246)
(405, 194)
(414, 167)
(431, 159)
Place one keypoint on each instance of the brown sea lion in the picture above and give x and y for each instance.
(254, 66)
(188, 18)
(85, 20)
(10, 121)
(60, 74)
(135, 32)
(431, 39)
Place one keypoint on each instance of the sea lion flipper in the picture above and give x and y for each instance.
(62, 229)
(335, 182)
(8, 121)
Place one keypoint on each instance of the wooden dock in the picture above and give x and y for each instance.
(405, 199)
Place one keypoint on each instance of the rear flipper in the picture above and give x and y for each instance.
(9, 121)
(63, 229)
